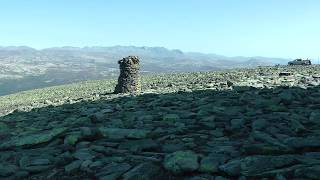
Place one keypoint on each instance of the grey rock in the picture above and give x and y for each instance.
(143, 171)
(83, 154)
(197, 178)
(303, 142)
(315, 117)
(171, 117)
(118, 133)
(218, 132)
(145, 118)
(37, 162)
(139, 145)
(312, 172)
(73, 138)
(85, 165)
(73, 167)
(259, 124)
(255, 165)
(113, 170)
(96, 165)
(172, 147)
(83, 145)
(7, 170)
(285, 73)
(63, 159)
(3, 127)
(100, 149)
(263, 149)
(297, 126)
(210, 164)
(21, 174)
(33, 139)
(280, 177)
(114, 176)
(98, 117)
(313, 155)
(181, 162)
(220, 178)
(232, 168)
(38, 168)
(237, 123)
(286, 97)
(242, 178)
(266, 138)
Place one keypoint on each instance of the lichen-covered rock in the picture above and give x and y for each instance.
(129, 80)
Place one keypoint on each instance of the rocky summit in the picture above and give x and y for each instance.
(261, 123)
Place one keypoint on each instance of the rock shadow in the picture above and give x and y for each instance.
(243, 131)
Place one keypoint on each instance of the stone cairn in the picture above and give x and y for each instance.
(129, 80)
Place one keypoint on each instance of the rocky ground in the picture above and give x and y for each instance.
(261, 123)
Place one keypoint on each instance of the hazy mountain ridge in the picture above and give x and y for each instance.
(23, 68)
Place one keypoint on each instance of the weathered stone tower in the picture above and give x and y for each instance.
(129, 79)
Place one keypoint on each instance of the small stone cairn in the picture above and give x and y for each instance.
(129, 79)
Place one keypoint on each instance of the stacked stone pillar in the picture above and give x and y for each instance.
(129, 78)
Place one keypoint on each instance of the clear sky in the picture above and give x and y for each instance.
(273, 28)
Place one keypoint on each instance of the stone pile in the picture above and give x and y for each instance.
(129, 80)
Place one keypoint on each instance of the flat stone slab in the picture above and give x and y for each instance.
(119, 133)
(33, 139)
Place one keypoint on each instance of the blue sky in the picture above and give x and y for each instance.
(273, 28)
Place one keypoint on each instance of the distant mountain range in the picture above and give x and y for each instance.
(24, 68)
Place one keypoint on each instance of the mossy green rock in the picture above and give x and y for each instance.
(181, 162)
